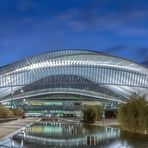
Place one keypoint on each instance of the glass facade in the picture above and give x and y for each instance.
(78, 72)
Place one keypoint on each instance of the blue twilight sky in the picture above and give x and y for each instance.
(30, 27)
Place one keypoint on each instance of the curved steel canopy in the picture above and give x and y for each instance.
(73, 71)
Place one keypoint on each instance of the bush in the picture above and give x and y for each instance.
(99, 108)
(5, 113)
(18, 112)
(133, 116)
(91, 114)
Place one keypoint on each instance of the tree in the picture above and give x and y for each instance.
(18, 112)
(5, 112)
(91, 114)
(133, 116)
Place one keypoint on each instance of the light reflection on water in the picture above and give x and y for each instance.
(75, 135)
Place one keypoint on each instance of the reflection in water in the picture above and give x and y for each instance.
(74, 135)
(91, 140)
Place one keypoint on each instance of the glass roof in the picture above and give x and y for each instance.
(103, 72)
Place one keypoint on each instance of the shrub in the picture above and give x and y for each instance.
(91, 114)
(18, 112)
(5, 113)
(133, 116)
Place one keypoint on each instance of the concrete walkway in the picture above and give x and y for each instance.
(6, 129)
(107, 123)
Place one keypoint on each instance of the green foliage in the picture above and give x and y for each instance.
(5, 113)
(133, 116)
(91, 114)
(18, 112)
(99, 108)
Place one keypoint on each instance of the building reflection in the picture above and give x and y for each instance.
(91, 140)
(72, 135)
(67, 135)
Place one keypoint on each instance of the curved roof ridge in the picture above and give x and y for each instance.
(64, 52)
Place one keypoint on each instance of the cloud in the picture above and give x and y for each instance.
(124, 23)
(93, 15)
(143, 52)
(129, 31)
(116, 49)
(140, 53)
(24, 5)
